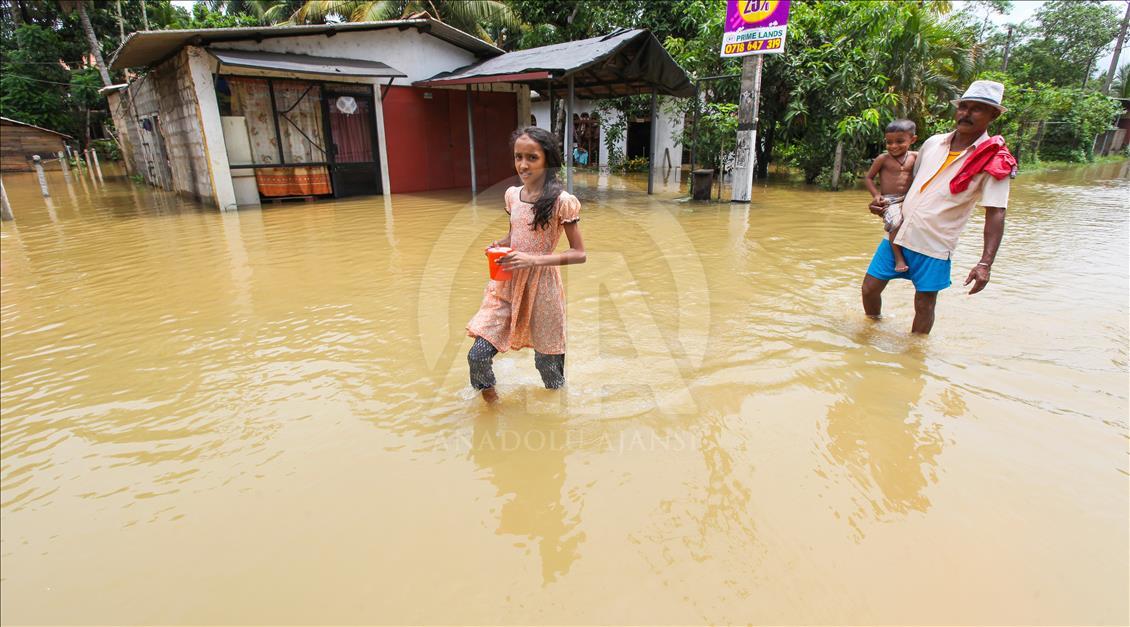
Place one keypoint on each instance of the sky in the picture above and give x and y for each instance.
(1021, 10)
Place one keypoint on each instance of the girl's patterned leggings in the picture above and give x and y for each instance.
(481, 355)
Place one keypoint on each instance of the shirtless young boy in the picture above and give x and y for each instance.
(895, 169)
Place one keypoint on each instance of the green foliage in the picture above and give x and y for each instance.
(1061, 48)
(614, 126)
(203, 16)
(107, 149)
(32, 91)
(555, 22)
(1120, 88)
(635, 164)
(1071, 116)
(715, 135)
(489, 20)
(44, 78)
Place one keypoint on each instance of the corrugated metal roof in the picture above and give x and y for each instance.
(304, 63)
(18, 123)
(145, 48)
(623, 63)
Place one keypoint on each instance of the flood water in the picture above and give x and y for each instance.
(263, 416)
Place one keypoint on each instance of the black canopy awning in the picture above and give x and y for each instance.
(304, 64)
(623, 63)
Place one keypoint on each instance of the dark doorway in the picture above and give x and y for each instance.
(639, 139)
(354, 162)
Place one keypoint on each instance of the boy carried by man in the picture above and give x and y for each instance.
(895, 169)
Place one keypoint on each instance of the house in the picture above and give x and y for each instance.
(233, 116)
(20, 141)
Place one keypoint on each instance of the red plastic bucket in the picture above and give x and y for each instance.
(497, 272)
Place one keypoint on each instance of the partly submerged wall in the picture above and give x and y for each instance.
(162, 117)
(180, 127)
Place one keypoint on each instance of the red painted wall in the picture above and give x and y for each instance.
(427, 138)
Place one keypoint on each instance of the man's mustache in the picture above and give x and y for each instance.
(966, 120)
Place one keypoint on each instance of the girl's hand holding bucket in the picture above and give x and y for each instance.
(518, 260)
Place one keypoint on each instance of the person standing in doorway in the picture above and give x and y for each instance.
(954, 172)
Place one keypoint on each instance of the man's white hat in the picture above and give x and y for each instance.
(988, 92)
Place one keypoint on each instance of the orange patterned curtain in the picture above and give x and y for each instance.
(276, 182)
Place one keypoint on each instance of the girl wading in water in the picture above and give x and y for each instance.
(528, 310)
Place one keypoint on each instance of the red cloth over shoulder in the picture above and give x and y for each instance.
(991, 156)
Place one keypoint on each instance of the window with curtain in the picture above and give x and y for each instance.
(251, 98)
(299, 106)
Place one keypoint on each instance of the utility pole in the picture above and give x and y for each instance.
(1007, 47)
(745, 155)
(1117, 51)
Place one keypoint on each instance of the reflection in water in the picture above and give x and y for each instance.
(525, 460)
(877, 432)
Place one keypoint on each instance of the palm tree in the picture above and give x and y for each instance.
(70, 5)
(1121, 86)
(926, 63)
(267, 11)
(471, 16)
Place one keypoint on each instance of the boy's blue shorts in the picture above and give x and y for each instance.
(928, 274)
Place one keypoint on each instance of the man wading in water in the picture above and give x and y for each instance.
(953, 173)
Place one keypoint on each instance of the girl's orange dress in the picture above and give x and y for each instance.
(529, 309)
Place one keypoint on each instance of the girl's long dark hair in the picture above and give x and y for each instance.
(551, 186)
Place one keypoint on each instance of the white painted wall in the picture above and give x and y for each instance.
(417, 54)
(200, 67)
(670, 130)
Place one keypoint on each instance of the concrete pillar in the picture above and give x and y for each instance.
(569, 138)
(744, 149)
(653, 143)
(382, 146)
(5, 206)
(523, 106)
(471, 139)
(94, 160)
(39, 174)
(208, 114)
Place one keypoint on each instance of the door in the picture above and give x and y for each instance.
(354, 162)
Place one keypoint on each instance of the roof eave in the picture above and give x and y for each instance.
(426, 25)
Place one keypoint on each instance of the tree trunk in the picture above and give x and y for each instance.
(87, 127)
(1117, 51)
(837, 164)
(559, 125)
(94, 48)
(1087, 74)
(144, 16)
(1007, 48)
(121, 24)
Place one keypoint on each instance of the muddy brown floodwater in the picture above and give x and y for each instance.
(263, 416)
